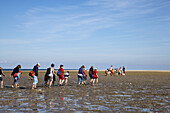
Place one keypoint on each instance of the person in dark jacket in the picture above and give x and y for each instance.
(35, 69)
(81, 75)
(91, 72)
(1, 80)
(15, 70)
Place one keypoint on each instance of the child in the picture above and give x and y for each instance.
(16, 79)
(66, 75)
(61, 75)
(85, 76)
(95, 76)
(15, 70)
(1, 80)
(120, 71)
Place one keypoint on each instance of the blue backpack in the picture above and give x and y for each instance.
(58, 73)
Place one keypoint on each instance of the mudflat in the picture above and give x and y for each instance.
(138, 91)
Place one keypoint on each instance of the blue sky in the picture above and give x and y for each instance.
(133, 33)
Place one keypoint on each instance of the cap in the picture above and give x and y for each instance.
(38, 64)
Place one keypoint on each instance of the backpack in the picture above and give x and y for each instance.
(48, 71)
(31, 73)
(58, 73)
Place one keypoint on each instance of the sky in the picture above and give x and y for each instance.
(99, 33)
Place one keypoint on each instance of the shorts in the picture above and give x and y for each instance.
(35, 80)
(1, 79)
(61, 77)
(16, 80)
(50, 78)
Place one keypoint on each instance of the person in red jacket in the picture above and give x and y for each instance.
(61, 77)
(95, 76)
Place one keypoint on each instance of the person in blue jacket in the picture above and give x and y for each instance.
(81, 75)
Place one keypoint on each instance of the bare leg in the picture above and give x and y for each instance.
(2, 84)
(50, 84)
(66, 80)
(96, 80)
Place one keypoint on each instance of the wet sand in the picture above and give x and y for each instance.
(138, 91)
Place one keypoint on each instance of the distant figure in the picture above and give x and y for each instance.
(81, 75)
(1, 79)
(95, 76)
(15, 70)
(61, 75)
(111, 68)
(35, 77)
(107, 72)
(85, 75)
(116, 72)
(91, 74)
(50, 73)
(16, 79)
(120, 71)
(66, 76)
(123, 70)
(112, 72)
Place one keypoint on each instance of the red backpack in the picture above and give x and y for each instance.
(31, 73)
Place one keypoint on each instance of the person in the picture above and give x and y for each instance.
(81, 75)
(107, 72)
(35, 77)
(50, 73)
(66, 75)
(111, 67)
(112, 72)
(95, 76)
(1, 79)
(84, 75)
(61, 76)
(16, 79)
(91, 74)
(15, 70)
(123, 70)
(120, 71)
(116, 72)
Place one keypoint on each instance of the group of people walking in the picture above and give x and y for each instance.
(116, 71)
(50, 76)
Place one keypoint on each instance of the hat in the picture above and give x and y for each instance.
(20, 72)
(38, 64)
(96, 68)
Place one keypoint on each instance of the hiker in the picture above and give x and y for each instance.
(123, 73)
(60, 73)
(66, 76)
(35, 77)
(95, 76)
(50, 73)
(91, 74)
(84, 75)
(16, 79)
(1, 79)
(81, 75)
(15, 70)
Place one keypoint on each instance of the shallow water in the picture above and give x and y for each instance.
(111, 94)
